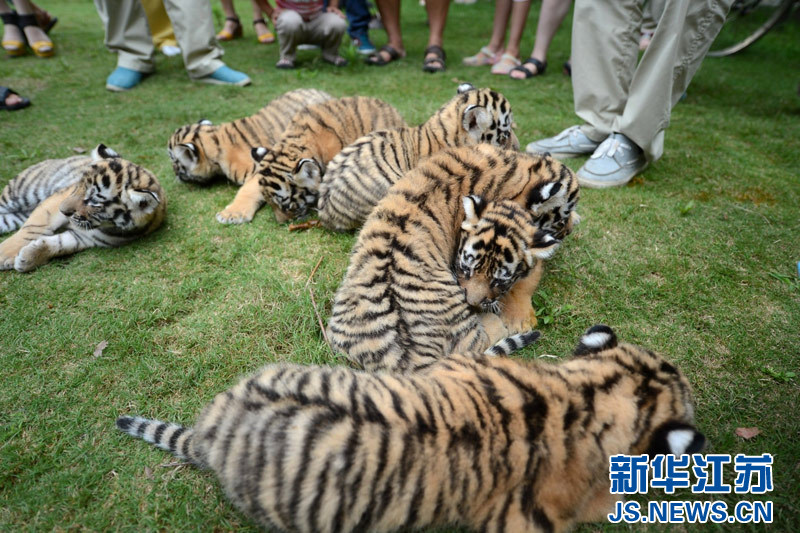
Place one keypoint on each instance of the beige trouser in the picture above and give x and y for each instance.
(615, 94)
(128, 34)
(325, 30)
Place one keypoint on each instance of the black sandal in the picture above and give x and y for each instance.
(440, 57)
(541, 66)
(5, 92)
(568, 68)
(377, 60)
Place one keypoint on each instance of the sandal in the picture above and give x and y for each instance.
(264, 38)
(285, 63)
(226, 35)
(541, 66)
(378, 60)
(40, 48)
(482, 58)
(505, 65)
(336, 61)
(13, 48)
(567, 70)
(5, 92)
(429, 64)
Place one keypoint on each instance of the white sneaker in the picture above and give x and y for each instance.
(614, 163)
(571, 142)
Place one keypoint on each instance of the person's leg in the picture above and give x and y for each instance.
(263, 33)
(13, 41)
(233, 26)
(327, 30)
(605, 51)
(357, 18)
(684, 33)
(490, 53)
(390, 16)
(291, 32)
(36, 37)
(194, 30)
(519, 16)
(551, 16)
(127, 34)
(437, 18)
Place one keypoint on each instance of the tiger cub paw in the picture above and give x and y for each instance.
(520, 321)
(232, 216)
(6, 263)
(31, 256)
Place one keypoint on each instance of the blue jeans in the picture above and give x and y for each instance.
(358, 16)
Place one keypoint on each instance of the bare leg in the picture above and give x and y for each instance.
(260, 7)
(390, 16)
(230, 12)
(10, 32)
(502, 10)
(550, 18)
(244, 206)
(437, 17)
(33, 34)
(519, 16)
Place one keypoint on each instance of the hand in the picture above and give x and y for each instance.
(335, 10)
(275, 14)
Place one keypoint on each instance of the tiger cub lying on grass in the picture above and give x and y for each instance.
(289, 173)
(493, 444)
(359, 176)
(68, 205)
(478, 219)
(201, 152)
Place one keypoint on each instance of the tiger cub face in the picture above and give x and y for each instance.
(289, 178)
(499, 245)
(114, 195)
(189, 154)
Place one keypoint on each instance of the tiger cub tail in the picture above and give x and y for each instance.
(173, 438)
(513, 343)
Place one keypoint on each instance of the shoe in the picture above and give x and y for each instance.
(484, 57)
(376, 59)
(264, 38)
(123, 79)
(12, 47)
(436, 63)
(505, 64)
(5, 92)
(614, 163)
(285, 63)
(363, 45)
(40, 48)
(170, 50)
(335, 60)
(571, 142)
(226, 76)
(527, 73)
(225, 35)
(308, 46)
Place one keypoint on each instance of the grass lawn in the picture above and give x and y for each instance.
(697, 259)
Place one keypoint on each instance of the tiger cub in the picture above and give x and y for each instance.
(359, 176)
(402, 303)
(102, 200)
(493, 444)
(289, 173)
(201, 152)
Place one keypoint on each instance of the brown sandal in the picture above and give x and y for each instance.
(376, 59)
(428, 63)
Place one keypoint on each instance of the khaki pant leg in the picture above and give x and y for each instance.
(605, 49)
(127, 33)
(326, 30)
(684, 33)
(291, 31)
(194, 30)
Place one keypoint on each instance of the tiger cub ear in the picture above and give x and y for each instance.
(101, 151)
(473, 208)
(465, 87)
(544, 246)
(205, 122)
(307, 174)
(258, 153)
(596, 339)
(186, 153)
(476, 120)
(146, 201)
(676, 438)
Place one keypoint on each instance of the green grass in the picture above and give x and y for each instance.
(696, 259)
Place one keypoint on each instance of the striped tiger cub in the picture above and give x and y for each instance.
(441, 230)
(201, 152)
(289, 173)
(68, 205)
(359, 176)
(492, 444)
